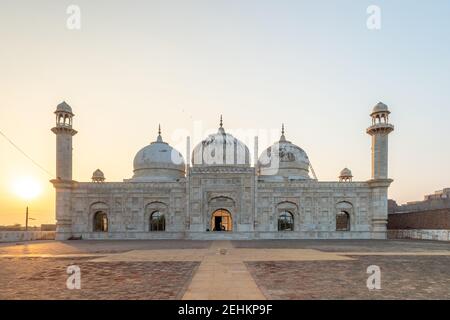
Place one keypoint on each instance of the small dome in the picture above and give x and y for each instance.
(64, 107)
(346, 173)
(284, 159)
(221, 149)
(380, 107)
(158, 161)
(98, 176)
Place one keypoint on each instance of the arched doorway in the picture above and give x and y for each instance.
(344, 216)
(157, 221)
(221, 220)
(343, 221)
(285, 221)
(100, 222)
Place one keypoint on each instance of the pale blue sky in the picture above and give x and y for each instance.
(312, 65)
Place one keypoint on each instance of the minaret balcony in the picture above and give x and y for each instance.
(64, 129)
(383, 128)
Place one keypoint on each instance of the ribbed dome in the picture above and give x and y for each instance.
(158, 161)
(98, 174)
(63, 107)
(380, 107)
(346, 173)
(221, 149)
(284, 159)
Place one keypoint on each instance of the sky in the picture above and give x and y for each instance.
(313, 65)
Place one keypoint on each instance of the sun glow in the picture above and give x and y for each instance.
(26, 187)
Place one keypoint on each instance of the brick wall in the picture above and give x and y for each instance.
(431, 219)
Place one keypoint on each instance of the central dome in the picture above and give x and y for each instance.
(221, 149)
(284, 159)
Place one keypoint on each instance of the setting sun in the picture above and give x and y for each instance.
(26, 187)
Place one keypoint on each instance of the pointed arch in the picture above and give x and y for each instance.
(100, 222)
(99, 216)
(156, 216)
(344, 216)
(285, 221)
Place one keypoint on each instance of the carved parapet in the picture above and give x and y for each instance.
(221, 169)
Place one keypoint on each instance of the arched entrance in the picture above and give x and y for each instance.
(100, 222)
(343, 221)
(221, 220)
(285, 221)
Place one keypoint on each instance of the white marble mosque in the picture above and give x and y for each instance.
(220, 194)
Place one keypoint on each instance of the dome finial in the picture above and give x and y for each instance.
(282, 138)
(221, 129)
(159, 138)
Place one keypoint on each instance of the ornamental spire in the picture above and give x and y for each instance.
(159, 138)
(221, 129)
(282, 138)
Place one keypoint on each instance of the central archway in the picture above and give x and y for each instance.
(221, 220)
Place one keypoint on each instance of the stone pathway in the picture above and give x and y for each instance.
(222, 275)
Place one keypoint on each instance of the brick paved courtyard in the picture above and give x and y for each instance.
(43, 278)
(172, 269)
(402, 278)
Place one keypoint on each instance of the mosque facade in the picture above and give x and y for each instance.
(220, 194)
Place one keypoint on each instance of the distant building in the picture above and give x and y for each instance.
(18, 227)
(438, 200)
(431, 213)
(15, 227)
(48, 227)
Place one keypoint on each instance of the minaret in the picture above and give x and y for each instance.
(63, 182)
(379, 130)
